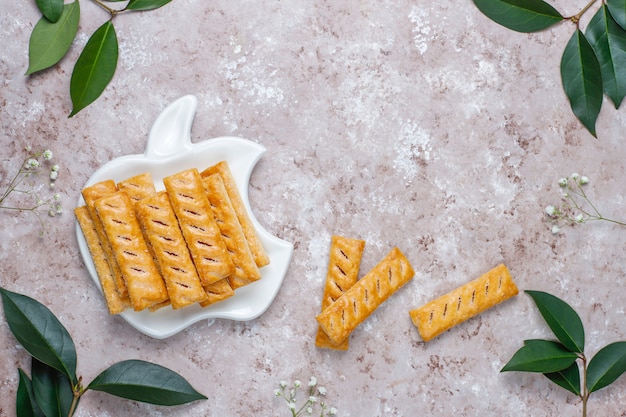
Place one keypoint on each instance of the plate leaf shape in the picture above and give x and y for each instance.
(51, 9)
(146, 4)
(606, 366)
(582, 80)
(608, 40)
(568, 378)
(52, 390)
(520, 15)
(562, 320)
(94, 68)
(618, 11)
(49, 42)
(25, 403)
(543, 356)
(40, 332)
(147, 382)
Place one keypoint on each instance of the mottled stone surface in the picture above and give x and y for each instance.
(423, 126)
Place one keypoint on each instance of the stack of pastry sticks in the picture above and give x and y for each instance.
(192, 243)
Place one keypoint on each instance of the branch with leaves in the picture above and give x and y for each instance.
(54, 34)
(593, 62)
(558, 360)
(53, 388)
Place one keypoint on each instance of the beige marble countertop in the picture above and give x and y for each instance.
(419, 125)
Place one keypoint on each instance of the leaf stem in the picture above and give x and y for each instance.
(113, 12)
(576, 18)
(585, 392)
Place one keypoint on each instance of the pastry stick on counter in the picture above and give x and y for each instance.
(465, 302)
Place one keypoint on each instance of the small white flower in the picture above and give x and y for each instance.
(584, 180)
(277, 392)
(56, 197)
(292, 405)
(575, 176)
(579, 218)
(283, 384)
(59, 209)
(321, 390)
(54, 175)
(54, 168)
(297, 383)
(309, 410)
(563, 182)
(312, 381)
(52, 212)
(313, 399)
(47, 154)
(332, 411)
(550, 210)
(32, 163)
(555, 229)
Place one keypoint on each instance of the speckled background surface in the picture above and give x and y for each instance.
(418, 125)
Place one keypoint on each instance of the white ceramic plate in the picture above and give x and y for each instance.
(169, 150)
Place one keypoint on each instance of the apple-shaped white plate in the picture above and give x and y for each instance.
(169, 150)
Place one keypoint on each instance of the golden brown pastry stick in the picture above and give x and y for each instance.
(459, 305)
(342, 274)
(256, 246)
(156, 216)
(114, 302)
(340, 318)
(197, 222)
(138, 187)
(218, 291)
(145, 285)
(91, 194)
(246, 270)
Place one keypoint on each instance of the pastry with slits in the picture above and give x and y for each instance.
(197, 223)
(343, 269)
(463, 303)
(340, 318)
(145, 285)
(160, 227)
(246, 271)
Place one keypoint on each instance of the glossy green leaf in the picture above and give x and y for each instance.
(618, 11)
(40, 332)
(147, 382)
(606, 366)
(51, 9)
(543, 356)
(608, 40)
(146, 4)
(94, 68)
(52, 390)
(49, 42)
(562, 319)
(582, 80)
(568, 378)
(520, 15)
(25, 404)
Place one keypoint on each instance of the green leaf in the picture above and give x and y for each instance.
(568, 378)
(618, 11)
(562, 319)
(608, 40)
(94, 68)
(606, 366)
(520, 15)
(40, 332)
(146, 4)
(543, 356)
(51, 9)
(52, 389)
(582, 80)
(25, 403)
(49, 42)
(147, 382)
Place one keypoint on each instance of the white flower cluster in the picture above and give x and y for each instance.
(290, 396)
(576, 207)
